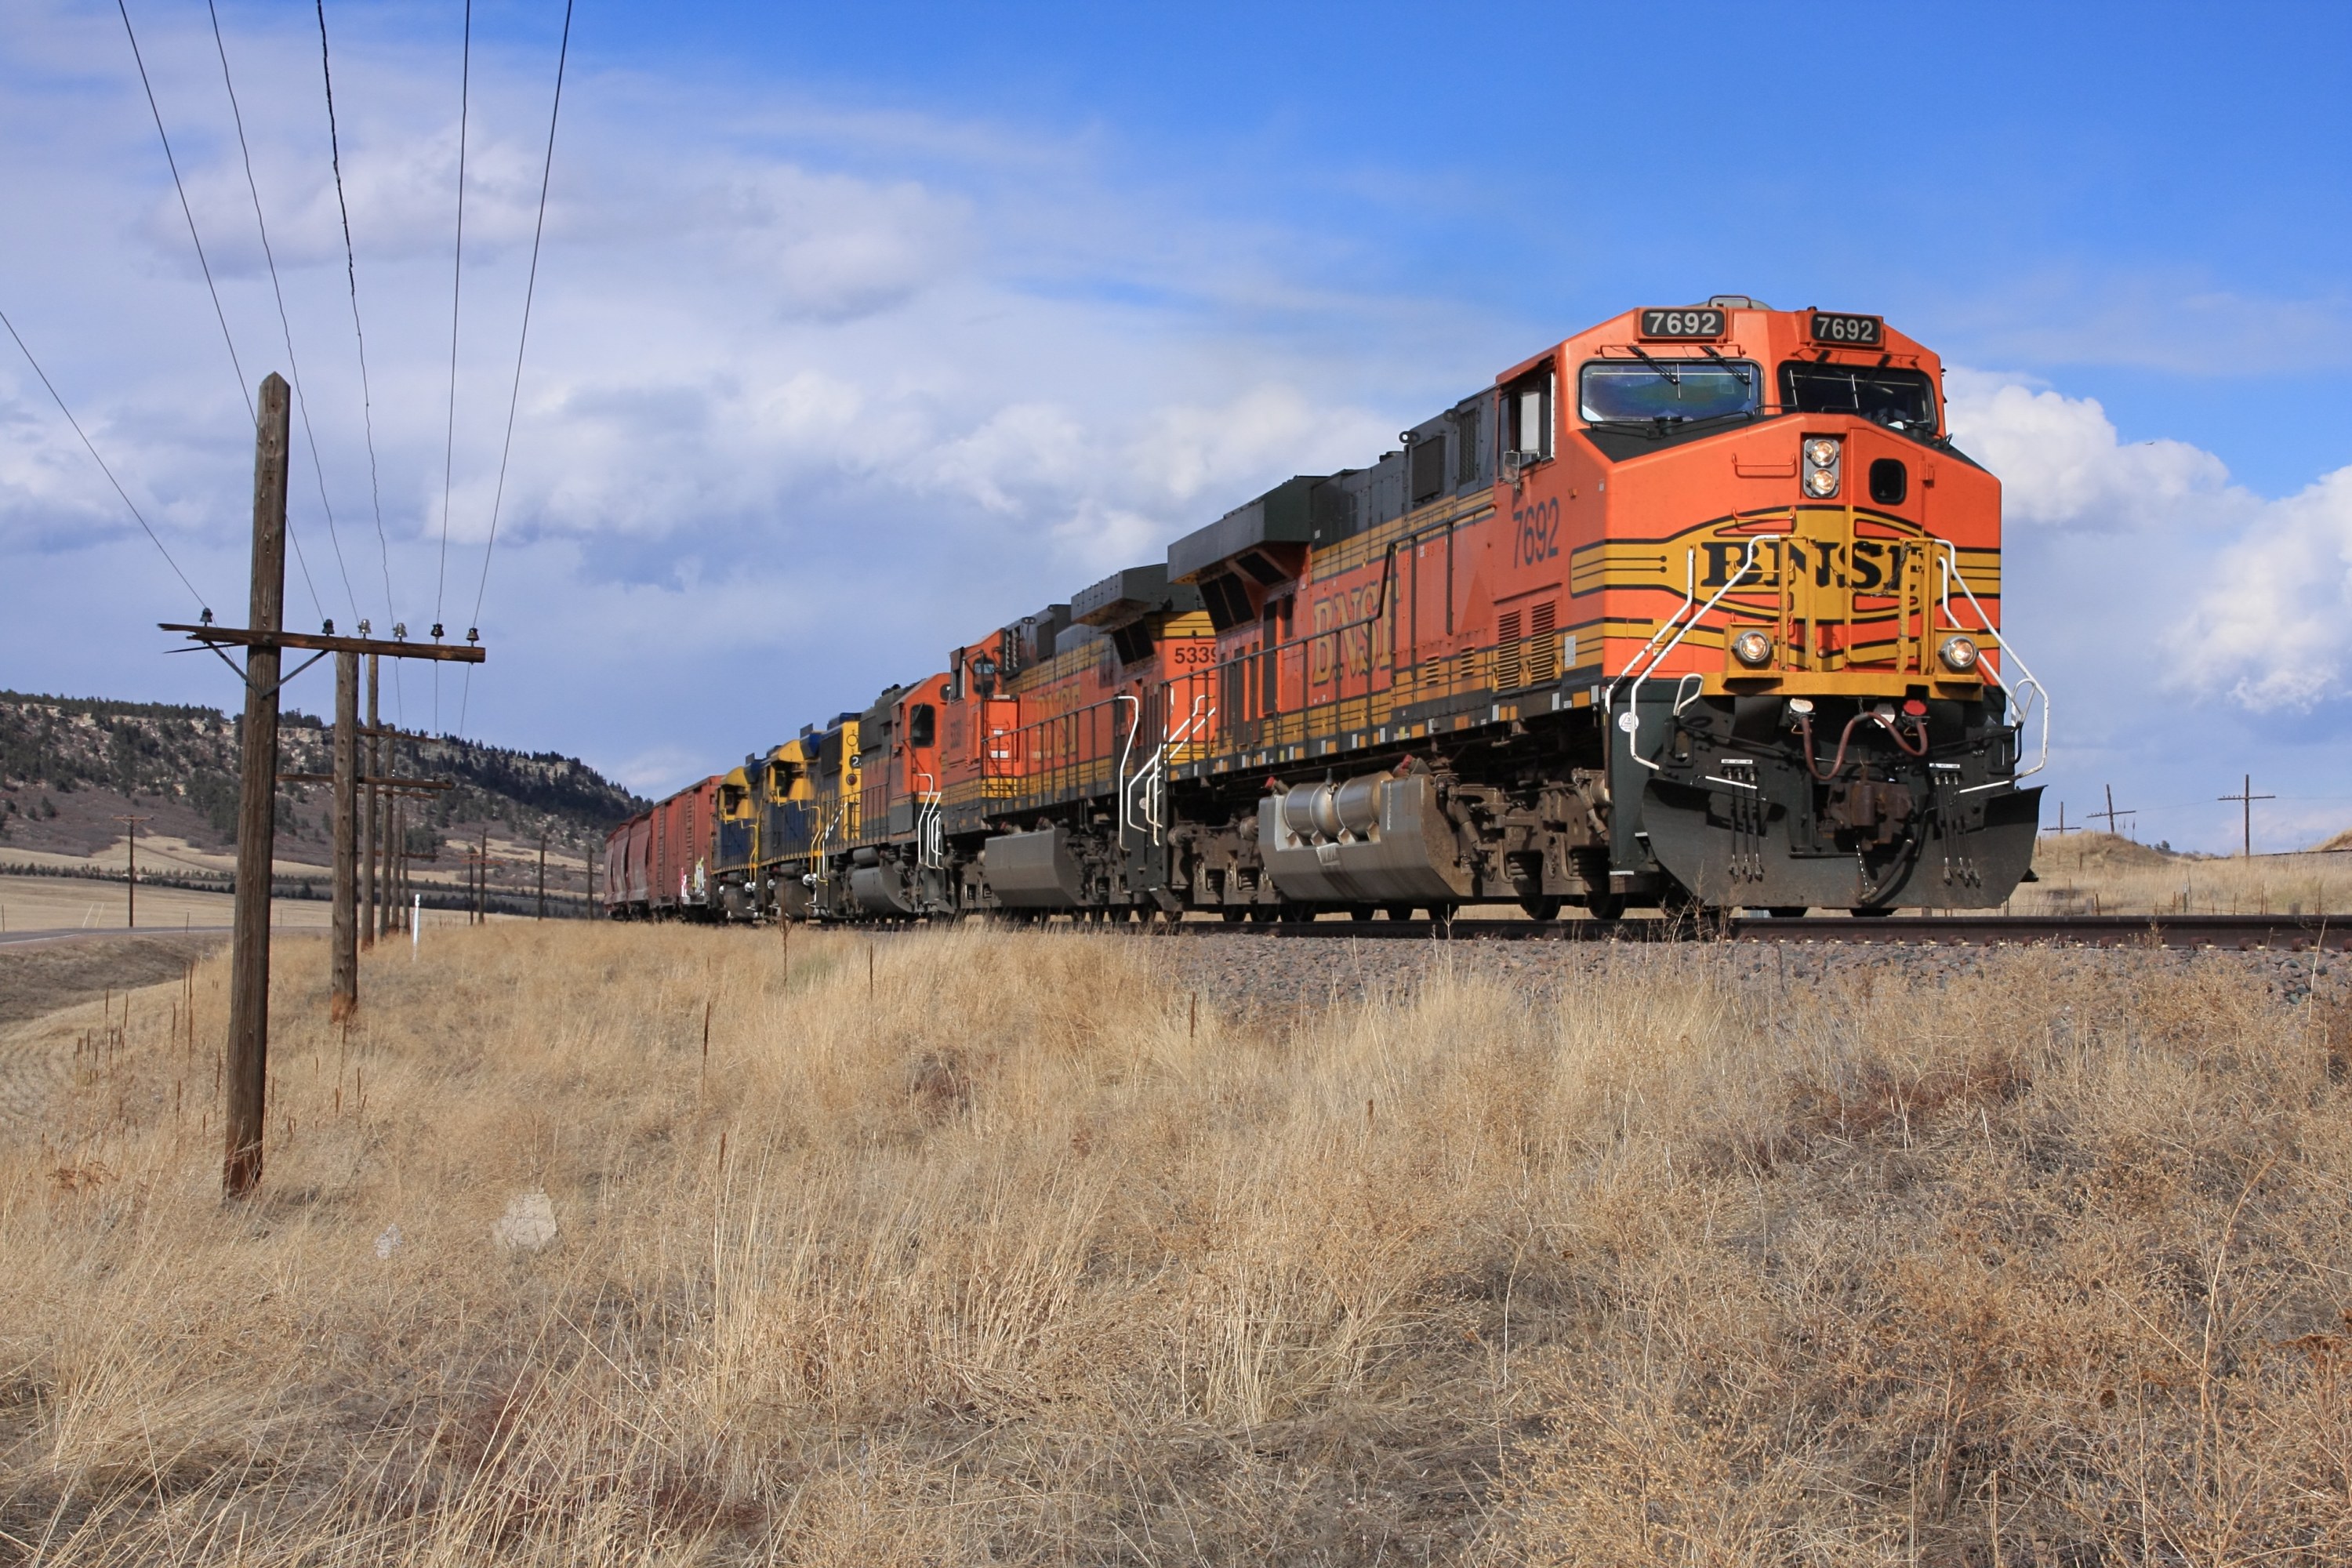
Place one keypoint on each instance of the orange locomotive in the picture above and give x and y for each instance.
(1699, 607)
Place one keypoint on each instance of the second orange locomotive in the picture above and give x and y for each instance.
(1701, 606)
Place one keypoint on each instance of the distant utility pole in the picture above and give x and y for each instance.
(263, 638)
(370, 764)
(2114, 818)
(543, 875)
(130, 910)
(2062, 829)
(2246, 797)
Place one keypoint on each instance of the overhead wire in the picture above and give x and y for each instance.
(102, 467)
(367, 394)
(514, 392)
(457, 285)
(351, 278)
(286, 327)
(185, 211)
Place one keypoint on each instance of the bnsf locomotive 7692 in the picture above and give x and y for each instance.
(1700, 609)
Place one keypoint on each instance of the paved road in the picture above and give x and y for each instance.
(68, 933)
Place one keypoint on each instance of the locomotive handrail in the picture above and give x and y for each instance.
(1634, 697)
(1126, 750)
(1952, 574)
(1146, 787)
(930, 843)
(1690, 596)
(1193, 724)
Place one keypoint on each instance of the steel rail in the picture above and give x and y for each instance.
(2297, 932)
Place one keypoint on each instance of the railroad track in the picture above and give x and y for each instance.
(2289, 933)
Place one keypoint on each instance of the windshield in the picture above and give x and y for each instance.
(1898, 399)
(1617, 392)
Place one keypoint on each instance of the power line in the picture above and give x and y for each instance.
(293, 368)
(457, 283)
(352, 276)
(185, 211)
(514, 393)
(206, 264)
(77, 430)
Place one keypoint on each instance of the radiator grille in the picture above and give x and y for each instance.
(1507, 653)
(1543, 648)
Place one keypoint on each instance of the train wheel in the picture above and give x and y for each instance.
(1605, 906)
(1443, 913)
(1234, 917)
(1870, 914)
(1360, 911)
(1263, 914)
(1543, 908)
(1788, 911)
(1400, 912)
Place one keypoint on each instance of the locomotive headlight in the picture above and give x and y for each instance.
(1821, 468)
(1959, 654)
(1752, 648)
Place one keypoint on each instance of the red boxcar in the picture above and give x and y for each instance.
(683, 826)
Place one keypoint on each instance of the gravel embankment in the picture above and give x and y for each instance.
(1263, 977)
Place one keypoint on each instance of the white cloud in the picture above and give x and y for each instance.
(2256, 593)
(2062, 463)
(2274, 626)
(810, 396)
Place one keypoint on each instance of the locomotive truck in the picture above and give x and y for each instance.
(1700, 608)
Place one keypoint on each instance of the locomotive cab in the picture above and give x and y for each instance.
(1815, 709)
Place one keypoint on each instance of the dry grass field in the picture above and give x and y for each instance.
(2100, 873)
(1005, 1250)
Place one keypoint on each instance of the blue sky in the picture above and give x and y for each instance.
(861, 329)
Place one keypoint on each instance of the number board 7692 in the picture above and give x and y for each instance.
(1683, 323)
(1861, 331)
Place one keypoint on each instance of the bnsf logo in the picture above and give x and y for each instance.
(1860, 568)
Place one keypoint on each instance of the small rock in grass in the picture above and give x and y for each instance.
(529, 1224)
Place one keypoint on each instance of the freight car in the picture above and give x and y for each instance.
(1698, 608)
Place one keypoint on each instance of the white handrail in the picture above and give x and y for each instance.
(1633, 697)
(1952, 574)
(1690, 595)
(1147, 780)
(930, 843)
(1126, 751)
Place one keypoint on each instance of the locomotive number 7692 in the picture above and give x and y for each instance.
(1538, 530)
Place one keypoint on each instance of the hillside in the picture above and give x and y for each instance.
(70, 767)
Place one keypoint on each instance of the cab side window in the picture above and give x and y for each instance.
(1527, 416)
(922, 725)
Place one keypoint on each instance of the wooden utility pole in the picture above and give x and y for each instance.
(482, 882)
(543, 875)
(248, 1062)
(396, 863)
(130, 905)
(371, 897)
(256, 817)
(344, 993)
(2114, 818)
(2246, 798)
